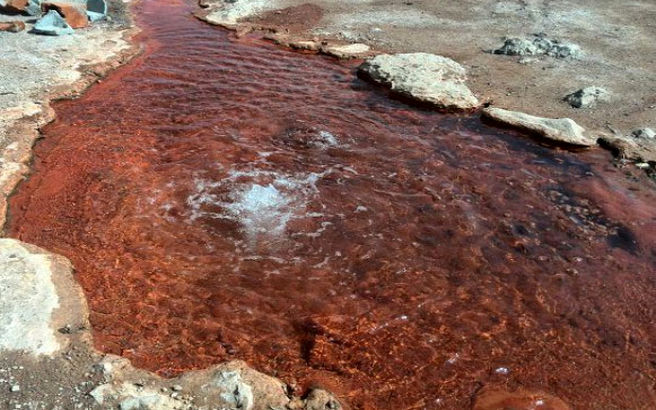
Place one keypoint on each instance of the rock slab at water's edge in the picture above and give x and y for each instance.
(563, 130)
(422, 77)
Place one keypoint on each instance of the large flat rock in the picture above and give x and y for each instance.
(423, 77)
(563, 130)
(39, 296)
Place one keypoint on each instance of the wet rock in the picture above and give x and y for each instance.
(639, 146)
(538, 45)
(96, 10)
(423, 77)
(12, 26)
(321, 400)
(491, 399)
(52, 24)
(346, 51)
(562, 130)
(74, 14)
(587, 97)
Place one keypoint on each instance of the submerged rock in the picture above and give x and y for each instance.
(321, 400)
(52, 24)
(561, 130)
(12, 26)
(74, 14)
(423, 77)
(538, 45)
(587, 97)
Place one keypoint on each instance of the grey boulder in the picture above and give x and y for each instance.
(52, 24)
(587, 97)
(422, 77)
(539, 45)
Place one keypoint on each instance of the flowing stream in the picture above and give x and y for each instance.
(222, 198)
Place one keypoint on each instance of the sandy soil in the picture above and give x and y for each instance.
(616, 39)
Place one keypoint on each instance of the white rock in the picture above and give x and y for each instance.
(561, 130)
(646, 133)
(227, 14)
(427, 78)
(28, 300)
(347, 51)
(236, 391)
(133, 397)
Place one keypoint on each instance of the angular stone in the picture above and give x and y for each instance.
(423, 77)
(12, 26)
(96, 10)
(52, 24)
(587, 97)
(560, 130)
(74, 14)
(33, 8)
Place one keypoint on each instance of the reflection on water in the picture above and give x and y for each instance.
(225, 199)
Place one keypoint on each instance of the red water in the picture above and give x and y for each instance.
(225, 199)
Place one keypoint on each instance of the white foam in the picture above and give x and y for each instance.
(262, 202)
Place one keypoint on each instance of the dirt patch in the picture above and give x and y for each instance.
(295, 19)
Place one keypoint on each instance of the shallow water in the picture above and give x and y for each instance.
(224, 199)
